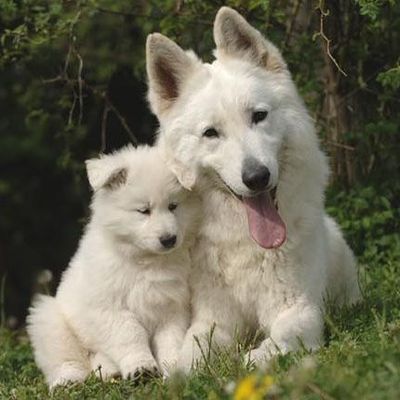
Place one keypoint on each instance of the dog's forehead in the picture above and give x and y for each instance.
(225, 80)
(230, 86)
(154, 183)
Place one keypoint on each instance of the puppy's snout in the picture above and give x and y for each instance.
(255, 175)
(168, 241)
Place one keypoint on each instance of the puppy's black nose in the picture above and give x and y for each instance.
(168, 241)
(255, 175)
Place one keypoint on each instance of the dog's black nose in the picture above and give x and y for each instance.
(255, 175)
(168, 241)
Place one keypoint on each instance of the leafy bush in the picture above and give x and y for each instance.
(370, 218)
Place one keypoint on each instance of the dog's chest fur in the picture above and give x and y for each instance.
(153, 290)
(159, 290)
(225, 248)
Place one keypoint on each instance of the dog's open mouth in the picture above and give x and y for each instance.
(265, 224)
(272, 193)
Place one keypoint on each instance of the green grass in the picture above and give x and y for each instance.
(361, 360)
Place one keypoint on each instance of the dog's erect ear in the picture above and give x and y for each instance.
(103, 174)
(168, 67)
(235, 37)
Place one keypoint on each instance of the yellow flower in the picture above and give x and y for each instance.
(253, 387)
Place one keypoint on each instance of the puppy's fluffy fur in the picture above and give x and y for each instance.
(248, 100)
(123, 302)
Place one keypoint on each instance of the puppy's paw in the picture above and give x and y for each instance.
(103, 367)
(264, 353)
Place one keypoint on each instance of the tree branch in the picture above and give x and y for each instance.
(290, 27)
(106, 110)
(102, 94)
(327, 41)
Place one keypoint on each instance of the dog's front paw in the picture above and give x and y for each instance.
(191, 355)
(139, 370)
(264, 353)
(103, 367)
(142, 374)
(186, 362)
(69, 372)
(168, 367)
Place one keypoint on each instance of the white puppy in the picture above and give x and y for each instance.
(123, 302)
(237, 131)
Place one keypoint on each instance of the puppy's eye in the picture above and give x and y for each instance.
(211, 133)
(258, 116)
(172, 206)
(145, 211)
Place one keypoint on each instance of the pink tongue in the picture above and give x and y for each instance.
(265, 224)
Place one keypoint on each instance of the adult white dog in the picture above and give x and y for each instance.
(123, 302)
(237, 131)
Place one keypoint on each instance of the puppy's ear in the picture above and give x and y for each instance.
(235, 37)
(168, 68)
(179, 156)
(186, 176)
(103, 174)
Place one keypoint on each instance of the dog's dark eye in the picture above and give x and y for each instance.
(211, 133)
(145, 211)
(258, 116)
(172, 206)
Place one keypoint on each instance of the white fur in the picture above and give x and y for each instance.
(237, 285)
(123, 302)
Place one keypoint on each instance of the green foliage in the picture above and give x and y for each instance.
(374, 226)
(390, 78)
(370, 8)
(32, 25)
